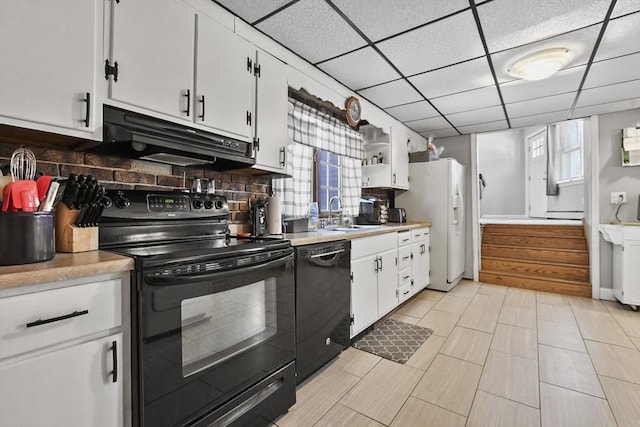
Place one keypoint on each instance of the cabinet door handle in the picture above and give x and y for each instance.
(202, 102)
(375, 265)
(114, 355)
(87, 113)
(57, 319)
(380, 263)
(394, 178)
(283, 155)
(188, 95)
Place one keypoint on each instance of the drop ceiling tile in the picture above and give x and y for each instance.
(579, 42)
(564, 81)
(611, 93)
(252, 10)
(540, 119)
(382, 18)
(467, 101)
(609, 107)
(441, 133)
(484, 127)
(391, 94)
(619, 36)
(313, 30)
(456, 78)
(360, 69)
(540, 105)
(413, 111)
(428, 125)
(510, 23)
(612, 71)
(625, 6)
(483, 115)
(436, 45)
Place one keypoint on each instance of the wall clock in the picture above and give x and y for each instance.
(353, 110)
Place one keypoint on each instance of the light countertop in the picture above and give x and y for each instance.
(64, 267)
(322, 235)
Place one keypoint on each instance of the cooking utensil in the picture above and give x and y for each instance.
(7, 205)
(47, 204)
(23, 164)
(71, 191)
(4, 180)
(24, 195)
(43, 182)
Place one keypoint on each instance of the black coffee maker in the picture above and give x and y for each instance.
(259, 217)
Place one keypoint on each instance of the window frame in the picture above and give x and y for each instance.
(560, 152)
(319, 188)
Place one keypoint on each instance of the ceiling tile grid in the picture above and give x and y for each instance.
(313, 30)
(415, 55)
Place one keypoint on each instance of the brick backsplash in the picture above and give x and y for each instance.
(120, 173)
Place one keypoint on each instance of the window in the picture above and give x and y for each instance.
(537, 146)
(569, 150)
(328, 181)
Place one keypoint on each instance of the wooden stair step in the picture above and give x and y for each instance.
(542, 270)
(567, 287)
(564, 256)
(535, 241)
(535, 230)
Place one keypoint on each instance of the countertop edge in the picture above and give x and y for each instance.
(321, 236)
(64, 267)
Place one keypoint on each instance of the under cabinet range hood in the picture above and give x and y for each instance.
(138, 136)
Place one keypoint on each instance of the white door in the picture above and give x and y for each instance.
(364, 293)
(387, 282)
(420, 265)
(271, 113)
(154, 48)
(48, 62)
(456, 228)
(72, 387)
(537, 145)
(225, 77)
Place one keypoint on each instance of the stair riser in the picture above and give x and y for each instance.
(536, 255)
(535, 241)
(537, 270)
(536, 284)
(535, 230)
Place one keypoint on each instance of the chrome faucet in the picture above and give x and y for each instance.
(331, 210)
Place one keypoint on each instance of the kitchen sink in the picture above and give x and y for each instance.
(355, 228)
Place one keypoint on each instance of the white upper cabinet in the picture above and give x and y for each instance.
(399, 158)
(271, 113)
(225, 81)
(154, 48)
(48, 65)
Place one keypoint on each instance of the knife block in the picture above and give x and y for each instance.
(70, 238)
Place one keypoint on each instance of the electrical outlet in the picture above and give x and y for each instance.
(619, 197)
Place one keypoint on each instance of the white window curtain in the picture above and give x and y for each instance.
(308, 128)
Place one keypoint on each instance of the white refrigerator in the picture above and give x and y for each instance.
(436, 194)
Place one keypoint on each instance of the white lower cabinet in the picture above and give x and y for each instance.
(374, 279)
(80, 385)
(419, 259)
(62, 355)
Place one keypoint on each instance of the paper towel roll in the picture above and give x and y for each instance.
(274, 225)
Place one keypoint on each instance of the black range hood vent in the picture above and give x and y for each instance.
(138, 136)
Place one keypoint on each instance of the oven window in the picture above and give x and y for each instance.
(219, 326)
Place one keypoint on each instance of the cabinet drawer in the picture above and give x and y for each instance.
(404, 276)
(365, 246)
(43, 318)
(404, 292)
(419, 234)
(404, 238)
(404, 257)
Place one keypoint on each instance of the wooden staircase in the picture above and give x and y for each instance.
(550, 258)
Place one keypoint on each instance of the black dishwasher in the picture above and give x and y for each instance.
(323, 304)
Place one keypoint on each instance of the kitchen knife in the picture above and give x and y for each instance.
(71, 189)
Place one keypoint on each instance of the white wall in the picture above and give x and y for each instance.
(614, 177)
(459, 148)
(501, 161)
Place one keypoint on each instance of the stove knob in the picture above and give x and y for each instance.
(197, 204)
(219, 204)
(208, 204)
(121, 202)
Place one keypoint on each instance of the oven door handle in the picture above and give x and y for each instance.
(185, 279)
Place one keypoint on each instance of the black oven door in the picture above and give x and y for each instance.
(210, 331)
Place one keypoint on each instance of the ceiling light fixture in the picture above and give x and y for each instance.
(540, 65)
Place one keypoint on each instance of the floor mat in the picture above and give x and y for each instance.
(394, 340)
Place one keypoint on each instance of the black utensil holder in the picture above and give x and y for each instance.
(26, 237)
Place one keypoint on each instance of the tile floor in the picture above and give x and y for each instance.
(499, 357)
